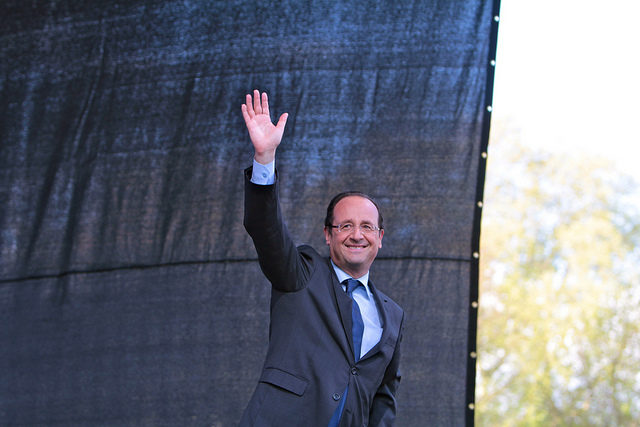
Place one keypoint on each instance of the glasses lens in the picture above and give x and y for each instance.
(364, 228)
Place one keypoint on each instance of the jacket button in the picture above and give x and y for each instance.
(354, 370)
(336, 396)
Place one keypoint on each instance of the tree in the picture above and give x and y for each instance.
(558, 325)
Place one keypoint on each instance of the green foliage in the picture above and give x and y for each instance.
(558, 326)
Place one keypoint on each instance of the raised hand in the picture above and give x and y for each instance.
(265, 136)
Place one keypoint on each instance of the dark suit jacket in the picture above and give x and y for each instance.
(310, 359)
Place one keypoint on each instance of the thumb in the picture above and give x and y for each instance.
(282, 122)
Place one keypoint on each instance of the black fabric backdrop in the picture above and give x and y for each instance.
(129, 291)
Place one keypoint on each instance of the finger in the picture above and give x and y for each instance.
(249, 106)
(282, 122)
(265, 103)
(256, 102)
(245, 114)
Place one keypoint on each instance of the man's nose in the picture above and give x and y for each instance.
(357, 233)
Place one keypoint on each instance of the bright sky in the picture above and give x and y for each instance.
(568, 74)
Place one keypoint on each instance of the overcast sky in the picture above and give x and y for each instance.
(568, 74)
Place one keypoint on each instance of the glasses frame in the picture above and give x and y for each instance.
(350, 228)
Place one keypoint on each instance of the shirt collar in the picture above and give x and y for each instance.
(342, 276)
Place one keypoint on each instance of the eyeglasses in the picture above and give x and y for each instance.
(349, 228)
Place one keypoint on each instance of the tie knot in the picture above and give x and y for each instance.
(352, 284)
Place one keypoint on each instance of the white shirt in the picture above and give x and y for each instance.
(265, 175)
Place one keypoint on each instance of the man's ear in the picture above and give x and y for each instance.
(327, 234)
(381, 236)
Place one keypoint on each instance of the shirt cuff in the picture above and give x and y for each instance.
(263, 174)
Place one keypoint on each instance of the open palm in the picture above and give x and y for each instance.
(265, 136)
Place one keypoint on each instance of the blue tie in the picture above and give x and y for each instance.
(356, 331)
(356, 317)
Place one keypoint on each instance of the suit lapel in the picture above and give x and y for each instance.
(381, 304)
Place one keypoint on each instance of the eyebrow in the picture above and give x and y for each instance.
(349, 221)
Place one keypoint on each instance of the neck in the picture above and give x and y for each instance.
(354, 274)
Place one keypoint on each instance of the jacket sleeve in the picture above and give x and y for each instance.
(383, 409)
(285, 267)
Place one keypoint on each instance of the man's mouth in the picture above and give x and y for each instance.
(356, 247)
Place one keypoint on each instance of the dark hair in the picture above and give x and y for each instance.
(328, 220)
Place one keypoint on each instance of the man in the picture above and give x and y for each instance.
(334, 342)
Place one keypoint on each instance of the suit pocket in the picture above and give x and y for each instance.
(285, 380)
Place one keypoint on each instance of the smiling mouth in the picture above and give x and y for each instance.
(356, 247)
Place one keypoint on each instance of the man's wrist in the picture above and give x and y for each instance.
(264, 158)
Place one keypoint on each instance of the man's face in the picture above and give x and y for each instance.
(354, 251)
